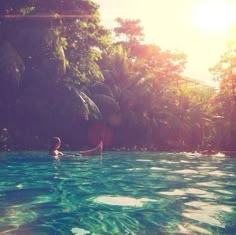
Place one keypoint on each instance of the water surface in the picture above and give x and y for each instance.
(118, 193)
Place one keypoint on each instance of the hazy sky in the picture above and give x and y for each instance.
(199, 28)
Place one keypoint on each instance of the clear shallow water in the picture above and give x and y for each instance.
(120, 193)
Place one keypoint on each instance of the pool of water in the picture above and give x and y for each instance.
(118, 193)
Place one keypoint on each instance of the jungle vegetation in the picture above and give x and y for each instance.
(62, 73)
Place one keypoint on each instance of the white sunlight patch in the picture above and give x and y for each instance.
(208, 208)
(207, 167)
(196, 191)
(206, 212)
(176, 192)
(79, 231)
(122, 201)
(143, 160)
(209, 184)
(203, 218)
(224, 192)
(170, 162)
(219, 155)
(186, 172)
(135, 169)
(188, 229)
(158, 168)
(219, 173)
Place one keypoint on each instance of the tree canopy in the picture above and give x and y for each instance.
(62, 73)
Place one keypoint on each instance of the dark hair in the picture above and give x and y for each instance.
(55, 141)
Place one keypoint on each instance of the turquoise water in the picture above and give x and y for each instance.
(118, 193)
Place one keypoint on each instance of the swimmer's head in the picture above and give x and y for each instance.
(55, 143)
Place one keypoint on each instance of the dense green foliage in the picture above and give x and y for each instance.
(61, 73)
(224, 103)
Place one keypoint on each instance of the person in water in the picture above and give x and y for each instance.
(56, 143)
(209, 150)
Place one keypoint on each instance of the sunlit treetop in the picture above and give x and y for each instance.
(130, 29)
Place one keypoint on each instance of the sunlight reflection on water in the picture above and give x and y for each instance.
(125, 193)
(122, 201)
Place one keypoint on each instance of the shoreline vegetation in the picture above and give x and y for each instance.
(7, 144)
(127, 149)
(68, 75)
(8, 147)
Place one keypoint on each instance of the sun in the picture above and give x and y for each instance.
(214, 16)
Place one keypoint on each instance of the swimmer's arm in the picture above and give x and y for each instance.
(72, 154)
(60, 154)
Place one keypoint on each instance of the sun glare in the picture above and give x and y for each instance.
(214, 16)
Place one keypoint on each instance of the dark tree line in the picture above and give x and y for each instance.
(62, 73)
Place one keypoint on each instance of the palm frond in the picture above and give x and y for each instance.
(101, 88)
(106, 104)
(11, 64)
(93, 108)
